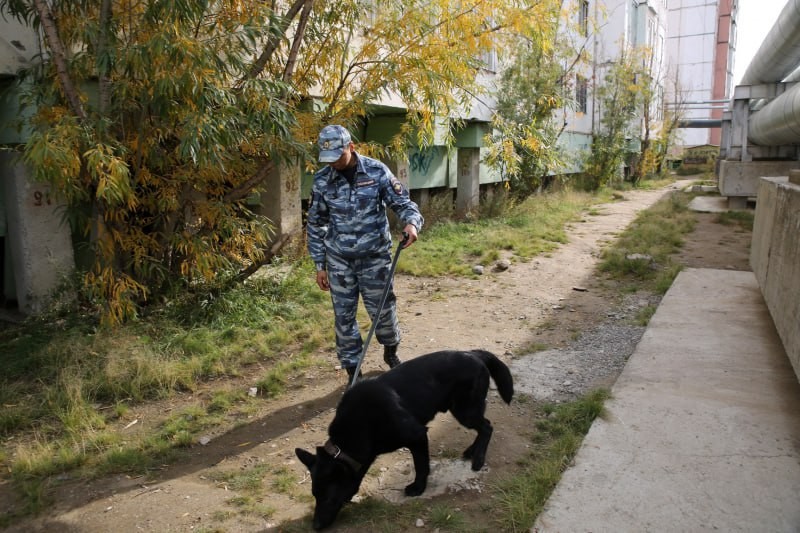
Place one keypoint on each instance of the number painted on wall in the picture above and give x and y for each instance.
(41, 198)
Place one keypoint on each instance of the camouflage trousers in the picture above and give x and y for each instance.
(366, 277)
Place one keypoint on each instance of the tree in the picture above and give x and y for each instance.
(157, 119)
(619, 98)
(533, 87)
(658, 124)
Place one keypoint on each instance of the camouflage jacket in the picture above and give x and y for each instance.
(351, 221)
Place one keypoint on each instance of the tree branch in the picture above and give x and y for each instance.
(102, 49)
(59, 57)
(269, 255)
(299, 34)
(244, 189)
(274, 39)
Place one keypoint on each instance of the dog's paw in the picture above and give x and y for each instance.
(415, 489)
(478, 461)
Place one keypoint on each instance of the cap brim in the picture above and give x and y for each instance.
(329, 156)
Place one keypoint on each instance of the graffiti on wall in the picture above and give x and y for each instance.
(421, 161)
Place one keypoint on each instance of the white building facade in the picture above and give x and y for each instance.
(701, 43)
(693, 44)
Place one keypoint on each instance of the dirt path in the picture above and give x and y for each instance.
(553, 302)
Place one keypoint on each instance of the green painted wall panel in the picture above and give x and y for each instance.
(381, 129)
(9, 114)
(472, 135)
(428, 167)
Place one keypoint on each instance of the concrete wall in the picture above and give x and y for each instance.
(281, 202)
(741, 178)
(775, 257)
(39, 244)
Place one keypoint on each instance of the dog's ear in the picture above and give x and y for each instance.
(307, 458)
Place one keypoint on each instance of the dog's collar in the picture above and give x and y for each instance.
(337, 453)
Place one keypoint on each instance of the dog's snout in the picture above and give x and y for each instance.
(319, 524)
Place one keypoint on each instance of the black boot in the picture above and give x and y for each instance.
(390, 356)
(351, 370)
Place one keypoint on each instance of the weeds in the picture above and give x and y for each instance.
(642, 254)
(520, 231)
(743, 219)
(560, 431)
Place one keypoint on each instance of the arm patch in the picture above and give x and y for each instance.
(397, 187)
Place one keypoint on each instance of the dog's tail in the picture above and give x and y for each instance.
(499, 372)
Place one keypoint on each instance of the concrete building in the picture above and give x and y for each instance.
(693, 43)
(35, 246)
(701, 44)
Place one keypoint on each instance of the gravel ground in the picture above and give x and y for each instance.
(593, 360)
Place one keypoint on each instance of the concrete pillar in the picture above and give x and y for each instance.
(280, 203)
(469, 172)
(775, 258)
(422, 197)
(400, 170)
(741, 178)
(40, 245)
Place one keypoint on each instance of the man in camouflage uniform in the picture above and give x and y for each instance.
(350, 242)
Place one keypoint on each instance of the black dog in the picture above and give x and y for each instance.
(391, 411)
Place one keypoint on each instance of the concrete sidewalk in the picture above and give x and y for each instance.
(703, 427)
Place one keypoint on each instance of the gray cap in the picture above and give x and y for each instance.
(332, 142)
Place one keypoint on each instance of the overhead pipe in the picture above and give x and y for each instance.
(778, 123)
(794, 76)
(700, 123)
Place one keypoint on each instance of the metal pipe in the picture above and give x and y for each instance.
(700, 123)
(794, 76)
(778, 123)
(695, 102)
(779, 54)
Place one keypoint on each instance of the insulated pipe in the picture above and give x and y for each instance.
(700, 123)
(779, 54)
(778, 123)
(794, 76)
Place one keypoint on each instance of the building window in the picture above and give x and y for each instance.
(581, 90)
(583, 17)
(489, 60)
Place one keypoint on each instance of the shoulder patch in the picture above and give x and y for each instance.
(397, 187)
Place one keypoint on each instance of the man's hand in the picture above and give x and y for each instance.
(322, 280)
(411, 231)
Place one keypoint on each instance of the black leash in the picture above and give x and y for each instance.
(380, 308)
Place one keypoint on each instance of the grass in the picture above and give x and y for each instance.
(68, 387)
(642, 254)
(521, 231)
(560, 431)
(743, 219)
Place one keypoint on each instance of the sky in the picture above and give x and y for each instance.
(755, 19)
